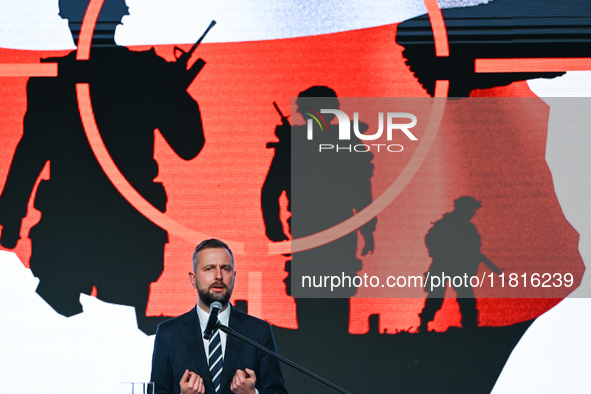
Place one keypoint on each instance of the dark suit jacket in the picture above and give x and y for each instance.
(179, 346)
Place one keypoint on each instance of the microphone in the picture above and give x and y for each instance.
(214, 310)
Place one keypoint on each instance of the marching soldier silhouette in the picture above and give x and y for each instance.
(454, 246)
(89, 235)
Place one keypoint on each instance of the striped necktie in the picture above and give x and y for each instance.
(216, 360)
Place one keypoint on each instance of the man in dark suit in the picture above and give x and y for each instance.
(180, 360)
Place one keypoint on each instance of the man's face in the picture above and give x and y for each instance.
(214, 276)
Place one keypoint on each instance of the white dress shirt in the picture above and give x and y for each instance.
(223, 317)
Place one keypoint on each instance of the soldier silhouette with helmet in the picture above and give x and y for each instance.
(454, 246)
(323, 189)
(89, 235)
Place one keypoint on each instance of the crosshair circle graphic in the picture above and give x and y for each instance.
(309, 242)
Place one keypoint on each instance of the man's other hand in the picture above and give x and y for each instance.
(244, 382)
(191, 383)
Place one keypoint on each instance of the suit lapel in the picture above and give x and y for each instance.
(233, 348)
(194, 342)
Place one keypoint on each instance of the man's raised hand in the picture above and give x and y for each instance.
(191, 383)
(244, 382)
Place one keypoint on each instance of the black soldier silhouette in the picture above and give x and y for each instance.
(539, 29)
(454, 246)
(89, 235)
(323, 189)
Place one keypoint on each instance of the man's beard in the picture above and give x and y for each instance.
(207, 297)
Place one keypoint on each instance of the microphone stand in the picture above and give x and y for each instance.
(229, 331)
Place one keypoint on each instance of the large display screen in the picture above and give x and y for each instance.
(124, 144)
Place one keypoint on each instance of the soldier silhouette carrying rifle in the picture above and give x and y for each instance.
(454, 246)
(328, 189)
(89, 235)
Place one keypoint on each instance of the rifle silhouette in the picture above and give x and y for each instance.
(284, 123)
(182, 57)
(284, 120)
(494, 268)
